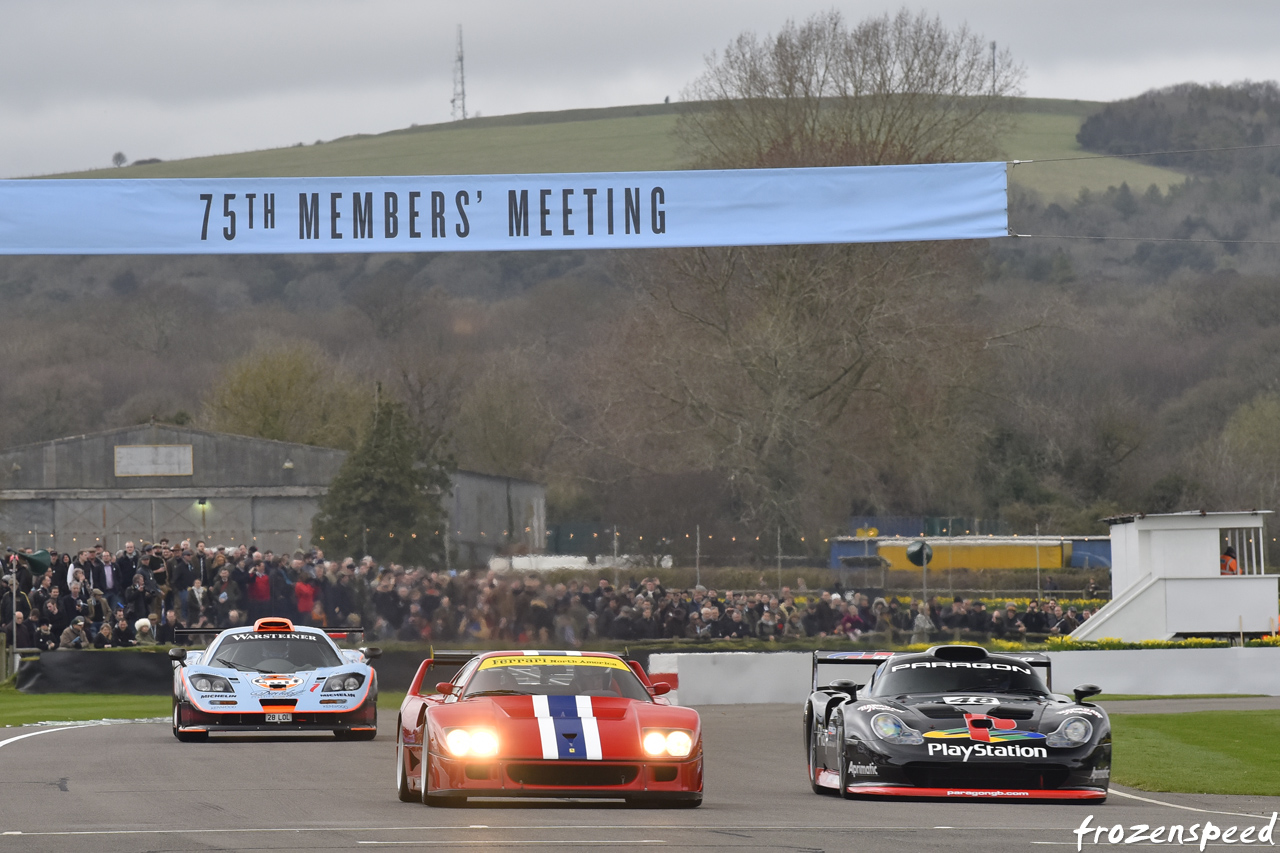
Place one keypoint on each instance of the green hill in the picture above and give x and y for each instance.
(630, 138)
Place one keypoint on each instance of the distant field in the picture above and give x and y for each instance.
(638, 138)
(1049, 135)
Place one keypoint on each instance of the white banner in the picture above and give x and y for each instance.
(592, 210)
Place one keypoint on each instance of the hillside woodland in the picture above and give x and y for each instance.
(1130, 361)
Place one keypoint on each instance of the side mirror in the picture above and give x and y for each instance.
(179, 655)
(1084, 691)
(846, 686)
(444, 687)
(371, 652)
(660, 688)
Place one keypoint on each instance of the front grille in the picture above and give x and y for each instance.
(930, 775)
(955, 712)
(565, 775)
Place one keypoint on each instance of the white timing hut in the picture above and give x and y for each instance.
(1166, 580)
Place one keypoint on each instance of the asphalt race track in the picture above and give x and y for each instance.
(132, 787)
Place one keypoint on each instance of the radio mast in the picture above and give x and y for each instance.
(459, 101)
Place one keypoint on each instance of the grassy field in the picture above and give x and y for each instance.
(1040, 135)
(1205, 752)
(637, 138)
(18, 709)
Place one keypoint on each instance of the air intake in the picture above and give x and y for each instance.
(958, 652)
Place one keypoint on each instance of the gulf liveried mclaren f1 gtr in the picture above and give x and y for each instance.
(952, 722)
(545, 724)
(275, 677)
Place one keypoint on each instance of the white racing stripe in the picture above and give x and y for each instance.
(546, 728)
(47, 731)
(1116, 793)
(558, 843)
(590, 729)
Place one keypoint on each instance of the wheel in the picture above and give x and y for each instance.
(185, 737)
(843, 762)
(813, 762)
(403, 791)
(428, 798)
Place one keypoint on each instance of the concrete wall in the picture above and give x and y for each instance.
(1164, 672)
(1161, 608)
(744, 678)
(489, 514)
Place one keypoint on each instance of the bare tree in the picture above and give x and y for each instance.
(901, 89)
(757, 356)
(118, 159)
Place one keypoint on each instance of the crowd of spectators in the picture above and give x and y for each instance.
(139, 596)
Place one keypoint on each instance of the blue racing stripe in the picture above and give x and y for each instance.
(562, 706)
(569, 737)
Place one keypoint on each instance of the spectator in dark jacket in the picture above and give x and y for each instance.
(45, 640)
(25, 634)
(139, 598)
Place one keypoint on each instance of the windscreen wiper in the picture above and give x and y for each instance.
(497, 693)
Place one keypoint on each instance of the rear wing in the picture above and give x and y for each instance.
(1037, 660)
(449, 659)
(333, 633)
(860, 666)
(855, 666)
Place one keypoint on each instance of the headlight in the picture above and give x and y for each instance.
(348, 681)
(1073, 732)
(477, 743)
(676, 743)
(889, 727)
(210, 684)
(679, 744)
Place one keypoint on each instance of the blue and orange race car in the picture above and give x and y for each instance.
(545, 724)
(275, 677)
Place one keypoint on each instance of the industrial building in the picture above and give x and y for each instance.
(148, 482)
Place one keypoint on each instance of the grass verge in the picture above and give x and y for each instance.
(1204, 752)
(17, 709)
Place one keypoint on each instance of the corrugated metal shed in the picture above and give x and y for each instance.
(161, 481)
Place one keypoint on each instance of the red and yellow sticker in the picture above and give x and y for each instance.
(552, 660)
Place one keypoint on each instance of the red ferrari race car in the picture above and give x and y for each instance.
(545, 724)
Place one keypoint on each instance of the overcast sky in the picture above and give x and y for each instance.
(82, 79)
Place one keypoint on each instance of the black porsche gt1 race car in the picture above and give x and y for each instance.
(952, 722)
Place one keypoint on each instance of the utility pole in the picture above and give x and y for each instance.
(779, 557)
(993, 61)
(697, 555)
(459, 100)
(1039, 592)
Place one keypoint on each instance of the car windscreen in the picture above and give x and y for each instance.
(520, 675)
(274, 652)
(937, 676)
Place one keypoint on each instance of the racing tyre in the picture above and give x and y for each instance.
(185, 737)
(843, 763)
(813, 761)
(403, 791)
(428, 798)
